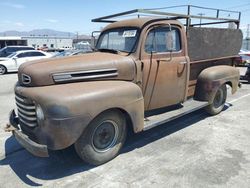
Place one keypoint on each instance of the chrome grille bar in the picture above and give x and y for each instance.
(26, 111)
(26, 117)
(19, 99)
(27, 123)
(25, 107)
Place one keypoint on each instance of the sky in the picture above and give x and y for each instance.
(75, 15)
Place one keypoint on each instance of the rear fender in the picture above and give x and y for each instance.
(212, 78)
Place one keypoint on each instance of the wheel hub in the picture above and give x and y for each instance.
(105, 136)
(1, 70)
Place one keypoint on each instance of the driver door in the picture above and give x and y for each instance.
(165, 70)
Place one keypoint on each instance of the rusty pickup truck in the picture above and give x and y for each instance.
(144, 72)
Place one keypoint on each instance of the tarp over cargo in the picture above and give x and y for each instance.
(212, 43)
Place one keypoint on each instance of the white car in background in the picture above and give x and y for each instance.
(244, 52)
(12, 62)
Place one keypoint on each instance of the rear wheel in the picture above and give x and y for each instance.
(3, 69)
(103, 138)
(218, 101)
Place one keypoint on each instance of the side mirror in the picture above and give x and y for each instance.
(94, 37)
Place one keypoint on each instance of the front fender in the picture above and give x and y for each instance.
(69, 108)
(212, 78)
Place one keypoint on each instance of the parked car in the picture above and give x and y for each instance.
(62, 54)
(244, 52)
(13, 61)
(247, 74)
(54, 50)
(70, 53)
(78, 52)
(242, 60)
(6, 51)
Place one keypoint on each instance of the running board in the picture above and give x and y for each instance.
(188, 107)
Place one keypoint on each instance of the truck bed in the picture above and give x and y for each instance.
(213, 43)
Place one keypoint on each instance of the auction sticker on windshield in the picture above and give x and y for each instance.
(129, 33)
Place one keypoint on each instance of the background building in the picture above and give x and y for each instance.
(7, 41)
(49, 42)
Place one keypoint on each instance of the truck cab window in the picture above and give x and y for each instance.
(158, 40)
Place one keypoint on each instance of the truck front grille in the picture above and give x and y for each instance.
(26, 111)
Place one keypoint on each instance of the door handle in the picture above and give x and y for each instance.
(183, 62)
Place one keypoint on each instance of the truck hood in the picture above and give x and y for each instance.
(86, 67)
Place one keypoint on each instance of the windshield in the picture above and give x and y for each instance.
(11, 55)
(120, 39)
(2, 50)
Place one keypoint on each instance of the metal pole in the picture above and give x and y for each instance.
(238, 23)
(188, 19)
(201, 14)
(218, 13)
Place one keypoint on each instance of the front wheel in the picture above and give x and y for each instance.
(103, 138)
(218, 101)
(3, 69)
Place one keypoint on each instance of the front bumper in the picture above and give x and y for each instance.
(31, 146)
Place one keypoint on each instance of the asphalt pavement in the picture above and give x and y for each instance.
(195, 150)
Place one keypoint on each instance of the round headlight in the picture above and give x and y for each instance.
(39, 113)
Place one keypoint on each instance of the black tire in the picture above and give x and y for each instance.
(218, 101)
(103, 138)
(3, 70)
